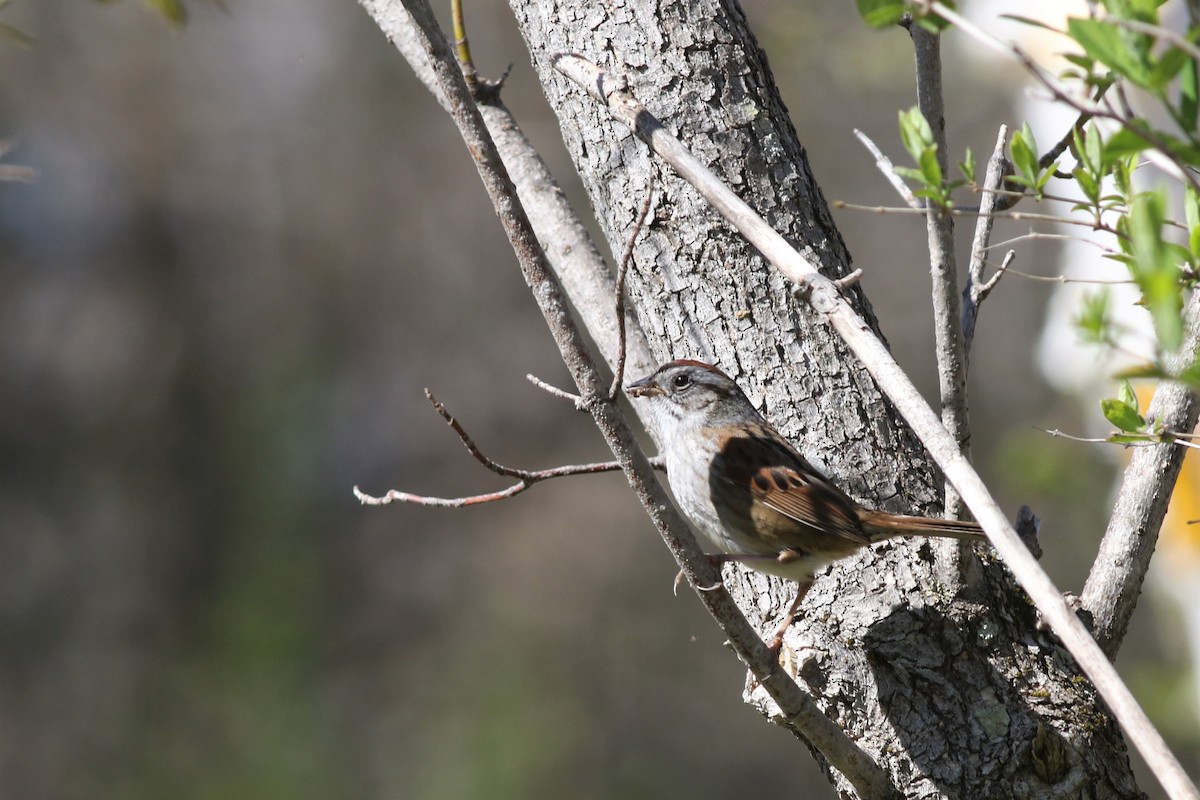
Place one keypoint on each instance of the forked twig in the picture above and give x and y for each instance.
(526, 477)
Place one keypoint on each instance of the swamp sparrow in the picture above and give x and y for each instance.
(748, 490)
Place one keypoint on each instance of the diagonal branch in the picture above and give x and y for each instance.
(1115, 581)
(825, 300)
(799, 711)
(574, 256)
(977, 288)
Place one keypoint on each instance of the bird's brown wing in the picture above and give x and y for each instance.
(793, 505)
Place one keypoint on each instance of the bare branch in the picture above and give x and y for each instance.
(1034, 236)
(563, 394)
(799, 711)
(848, 280)
(1115, 581)
(826, 301)
(1065, 279)
(530, 477)
(469, 443)
(963, 212)
(622, 271)
(986, 288)
(889, 171)
(973, 293)
(574, 256)
(949, 340)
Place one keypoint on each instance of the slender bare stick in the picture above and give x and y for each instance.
(1115, 581)
(825, 300)
(622, 272)
(574, 256)
(528, 477)
(800, 712)
(974, 293)
(889, 171)
(463, 47)
(551, 389)
(943, 267)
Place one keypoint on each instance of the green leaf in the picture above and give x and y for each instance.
(1119, 50)
(1126, 395)
(1190, 376)
(1153, 371)
(930, 167)
(881, 13)
(16, 35)
(1191, 207)
(1083, 62)
(1087, 184)
(1088, 146)
(915, 133)
(1166, 68)
(1024, 154)
(1126, 439)
(1036, 23)
(967, 166)
(1123, 415)
(171, 10)
(1125, 142)
(1155, 268)
(1189, 95)
(1093, 321)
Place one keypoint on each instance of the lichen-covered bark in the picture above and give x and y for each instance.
(941, 673)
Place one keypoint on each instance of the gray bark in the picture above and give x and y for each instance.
(956, 696)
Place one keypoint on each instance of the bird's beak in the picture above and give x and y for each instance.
(646, 387)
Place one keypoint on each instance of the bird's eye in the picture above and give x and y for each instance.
(681, 381)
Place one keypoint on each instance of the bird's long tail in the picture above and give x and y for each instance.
(880, 525)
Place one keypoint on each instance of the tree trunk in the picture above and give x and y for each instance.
(927, 655)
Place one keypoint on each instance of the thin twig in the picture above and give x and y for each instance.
(849, 279)
(1036, 236)
(986, 288)
(574, 256)
(973, 292)
(563, 394)
(889, 171)
(531, 477)
(622, 271)
(826, 301)
(463, 47)
(469, 443)
(1166, 34)
(1065, 279)
(527, 477)
(972, 212)
(1058, 434)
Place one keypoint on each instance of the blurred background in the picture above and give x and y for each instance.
(251, 243)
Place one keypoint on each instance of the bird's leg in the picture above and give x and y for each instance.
(776, 642)
(717, 559)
